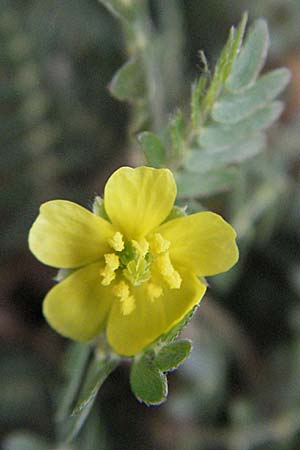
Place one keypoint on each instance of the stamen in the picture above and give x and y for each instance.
(117, 242)
(141, 246)
(154, 291)
(167, 270)
(121, 290)
(112, 263)
(159, 244)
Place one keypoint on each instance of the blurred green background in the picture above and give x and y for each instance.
(62, 134)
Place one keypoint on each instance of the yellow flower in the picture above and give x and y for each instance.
(136, 275)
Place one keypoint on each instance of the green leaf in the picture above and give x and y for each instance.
(205, 160)
(153, 148)
(220, 136)
(251, 58)
(25, 441)
(147, 382)
(172, 355)
(97, 373)
(128, 82)
(192, 185)
(233, 108)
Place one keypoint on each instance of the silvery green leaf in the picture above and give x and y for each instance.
(234, 108)
(251, 59)
(153, 148)
(147, 382)
(220, 136)
(128, 82)
(194, 185)
(205, 160)
(172, 355)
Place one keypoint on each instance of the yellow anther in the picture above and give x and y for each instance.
(128, 305)
(141, 246)
(117, 242)
(112, 263)
(167, 270)
(159, 244)
(121, 290)
(174, 280)
(108, 277)
(154, 291)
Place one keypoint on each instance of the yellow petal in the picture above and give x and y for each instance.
(151, 317)
(203, 242)
(66, 235)
(78, 306)
(138, 200)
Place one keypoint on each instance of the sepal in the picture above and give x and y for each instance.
(99, 208)
(148, 383)
(172, 355)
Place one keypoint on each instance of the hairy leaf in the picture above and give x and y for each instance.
(192, 185)
(233, 108)
(205, 160)
(251, 58)
(220, 136)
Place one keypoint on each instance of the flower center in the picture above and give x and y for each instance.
(132, 264)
